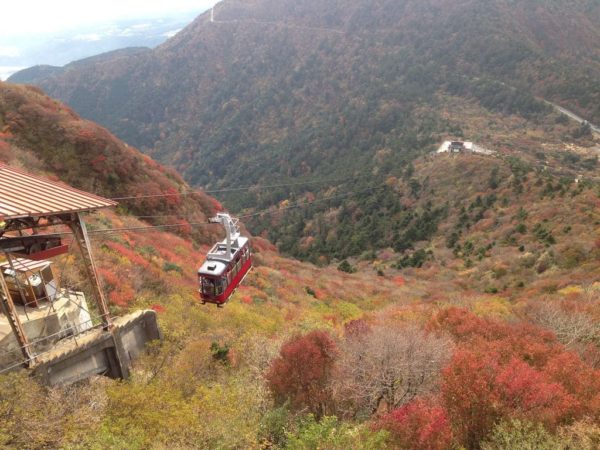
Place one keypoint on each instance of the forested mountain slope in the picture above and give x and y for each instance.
(44, 136)
(479, 326)
(270, 92)
(286, 89)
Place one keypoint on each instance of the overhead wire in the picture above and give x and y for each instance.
(268, 211)
(237, 189)
(300, 204)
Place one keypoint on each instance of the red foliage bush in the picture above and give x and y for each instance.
(131, 255)
(302, 372)
(530, 342)
(356, 328)
(479, 389)
(419, 424)
(122, 296)
(399, 281)
(110, 279)
(174, 197)
(216, 204)
(158, 308)
(511, 370)
(579, 379)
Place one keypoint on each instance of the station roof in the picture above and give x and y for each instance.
(25, 195)
(25, 265)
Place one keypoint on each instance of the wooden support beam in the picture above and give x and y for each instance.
(8, 308)
(77, 225)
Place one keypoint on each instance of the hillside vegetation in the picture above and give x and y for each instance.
(485, 336)
(42, 135)
(279, 92)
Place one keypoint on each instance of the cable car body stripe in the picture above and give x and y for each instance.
(222, 298)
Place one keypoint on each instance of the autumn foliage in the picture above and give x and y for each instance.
(419, 424)
(302, 372)
(510, 370)
(478, 390)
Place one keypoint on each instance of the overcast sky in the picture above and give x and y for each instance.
(20, 17)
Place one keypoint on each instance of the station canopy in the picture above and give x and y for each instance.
(25, 195)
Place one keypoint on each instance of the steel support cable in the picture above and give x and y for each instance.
(301, 204)
(154, 227)
(194, 224)
(259, 213)
(238, 189)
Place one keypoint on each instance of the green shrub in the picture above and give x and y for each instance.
(521, 435)
(331, 434)
(345, 266)
(172, 267)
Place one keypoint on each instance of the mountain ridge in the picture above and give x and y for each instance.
(271, 92)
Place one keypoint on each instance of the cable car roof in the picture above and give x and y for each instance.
(219, 250)
(25, 195)
(212, 267)
(217, 260)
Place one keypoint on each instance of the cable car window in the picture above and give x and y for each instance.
(208, 286)
(218, 287)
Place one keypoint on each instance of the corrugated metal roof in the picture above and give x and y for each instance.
(26, 195)
(25, 265)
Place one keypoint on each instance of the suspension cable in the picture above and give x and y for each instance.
(268, 211)
(238, 189)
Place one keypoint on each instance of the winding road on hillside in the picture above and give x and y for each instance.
(572, 115)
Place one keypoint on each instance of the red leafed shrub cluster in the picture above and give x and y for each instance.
(158, 308)
(419, 424)
(302, 371)
(499, 371)
(131, 255)
(478, 390)
(531, 343)
(216, 204)
(356, 328)
(122, 297)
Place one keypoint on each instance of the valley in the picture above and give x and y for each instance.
(399, 298)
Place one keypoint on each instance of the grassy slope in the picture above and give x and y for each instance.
(180, 395)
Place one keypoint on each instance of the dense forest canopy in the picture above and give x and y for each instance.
(455, 300)
(278, 91)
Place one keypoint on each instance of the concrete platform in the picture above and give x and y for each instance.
(45, 325)
(98, 351)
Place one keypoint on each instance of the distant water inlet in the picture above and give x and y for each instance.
(7, 71)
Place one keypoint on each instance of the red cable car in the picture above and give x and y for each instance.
(226, 265)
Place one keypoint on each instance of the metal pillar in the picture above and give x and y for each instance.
(77, 225)
(19, 287)
(8, 308)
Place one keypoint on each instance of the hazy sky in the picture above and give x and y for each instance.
(21, 17)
